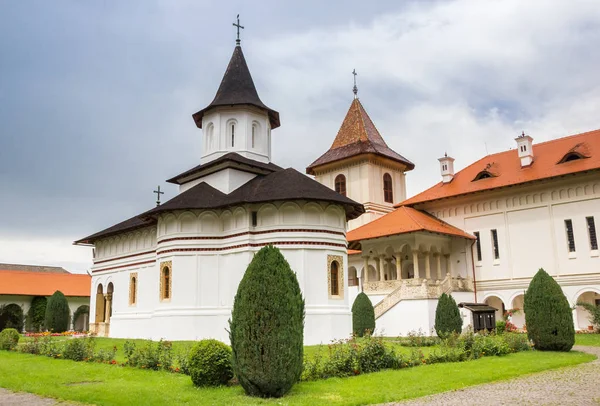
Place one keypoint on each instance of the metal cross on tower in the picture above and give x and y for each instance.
(158, 193)
(237, 41)
(354, 89)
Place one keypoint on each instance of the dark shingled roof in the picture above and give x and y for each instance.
(32, 268)
(283, 185)
(357, 135)
(231, 159)
(237, 87)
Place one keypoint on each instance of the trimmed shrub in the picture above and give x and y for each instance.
(548, 316)
(266, 329)
(363, 315)
(37, 314)
(447, 317)
(11, 316)
(9, 338)
(209, 363)
(57, 313)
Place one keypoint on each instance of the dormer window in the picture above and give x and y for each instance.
(571, 156)
(483, 175)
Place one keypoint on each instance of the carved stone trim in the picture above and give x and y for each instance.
(169, 266)
(340, 277)
(133, 288)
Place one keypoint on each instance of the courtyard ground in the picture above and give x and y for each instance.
(113, 385)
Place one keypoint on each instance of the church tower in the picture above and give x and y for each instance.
(237, 120)
(361, 166)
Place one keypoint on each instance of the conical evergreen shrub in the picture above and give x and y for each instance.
(267, 326)
(57, 313)
(447, 317)
(548, 316)
(363, 315)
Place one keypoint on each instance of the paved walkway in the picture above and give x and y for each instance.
(579, 385)
(8, 398)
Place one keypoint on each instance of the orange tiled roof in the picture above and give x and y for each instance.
(404, 220)
(354, 252)
(43, 283)
(357, 135)
(506, 167)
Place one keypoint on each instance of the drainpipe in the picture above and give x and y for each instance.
(473, 268)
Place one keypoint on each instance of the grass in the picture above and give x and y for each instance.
(112, 385)
(587, 339)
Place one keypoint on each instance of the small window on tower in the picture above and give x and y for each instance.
(340, 184)
(254, 219)
(232, 135)
(388, 193)
(570, 236)
(253, 131)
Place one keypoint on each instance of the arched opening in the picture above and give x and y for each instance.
(133, 290)
(210, 137)
(166, 283)
(571, 156)
(232, 135)
(352, 276)
(498, 304)
(11, 316)
(100, 305)
(518, 314)
(109, 297)
(340, 184)
(583, 318)
(483, 175)
(334, 277)
(254, 135)
(388, 193)
(81, 318)
(373, 274)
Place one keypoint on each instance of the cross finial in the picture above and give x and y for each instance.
(158, 193)
(237, 41)
(355, 89)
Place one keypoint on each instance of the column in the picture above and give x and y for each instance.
(108, 308)
(416, 264)
(427, 266)
(366, 265)
(438, 258)
(398, 266)
(448, 265)
(381, 267)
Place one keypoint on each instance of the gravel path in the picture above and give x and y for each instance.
(579, 385)
(8, 398)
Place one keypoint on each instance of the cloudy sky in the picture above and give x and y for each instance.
(96, 97)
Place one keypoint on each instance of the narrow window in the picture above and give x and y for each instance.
(388, 193)
(166, 283)
(253, 129)
(478, 245)
(233, 135)
(335, 288)
(495, 244)
(133, 292)
(340, 184)
(254, 219)
(591, 226)
(570, 237)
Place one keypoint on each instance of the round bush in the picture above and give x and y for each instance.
(9, 338)
(209, 363)
(548, 316)
(447, 317)
(363, 315)
(266, 329)
(57, 313)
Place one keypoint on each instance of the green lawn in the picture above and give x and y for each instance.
(587, 339)
(114, 385)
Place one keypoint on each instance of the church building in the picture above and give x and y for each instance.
(172, 272)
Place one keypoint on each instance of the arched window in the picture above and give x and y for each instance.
(483, 175)
(335, 273)
(232, 135)
(571, 156)
(166, 280)
(253, 135)
(340, 184)
(210, 137)
(388, 191)
(132, 289)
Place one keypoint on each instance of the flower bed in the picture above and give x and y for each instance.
(65, 334)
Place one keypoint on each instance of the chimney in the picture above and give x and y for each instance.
(447, 168)
(525, 147)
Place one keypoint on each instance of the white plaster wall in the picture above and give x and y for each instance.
(226, 180)
(407, 316)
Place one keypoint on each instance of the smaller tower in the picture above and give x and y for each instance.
(447, 168)
(525, 146)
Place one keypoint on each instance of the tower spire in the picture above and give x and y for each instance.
(355, 89)
(237, 41)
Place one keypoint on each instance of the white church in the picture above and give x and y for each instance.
(480, 234)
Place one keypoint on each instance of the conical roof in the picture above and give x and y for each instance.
(357, 135)
(237, 88)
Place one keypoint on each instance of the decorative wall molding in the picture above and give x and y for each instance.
(274, 243)
(340, 276)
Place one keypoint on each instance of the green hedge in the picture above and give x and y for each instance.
(209, 363)
(447, 317)
(363, 315)
(57, 313)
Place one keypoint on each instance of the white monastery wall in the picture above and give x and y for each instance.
(226, 180)
(208, 252)
(24, 301)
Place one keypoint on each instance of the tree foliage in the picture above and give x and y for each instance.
(57, 313)
(209, 363)
(37, 313)
(447, 317)
(594, 312)
(548, 316)
(267, 326)
(363, 315)
(11, 316)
